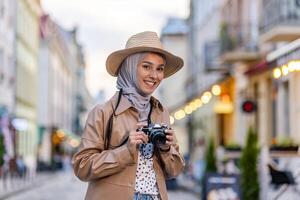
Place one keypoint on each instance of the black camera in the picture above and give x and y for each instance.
(156, 133)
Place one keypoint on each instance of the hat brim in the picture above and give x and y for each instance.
(115, 59)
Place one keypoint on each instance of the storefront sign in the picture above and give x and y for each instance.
(221, 186)
(20, 124)
(223, 107)
(249, 106)
(284, 54)
(295, 55)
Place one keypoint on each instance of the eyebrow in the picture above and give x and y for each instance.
(148, 62)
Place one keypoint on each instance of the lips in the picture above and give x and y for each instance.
(150, 83)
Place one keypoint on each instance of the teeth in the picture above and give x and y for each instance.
(149, 83)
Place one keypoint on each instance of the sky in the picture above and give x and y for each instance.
(105, 25)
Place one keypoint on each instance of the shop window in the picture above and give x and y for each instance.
(286, 108)
(281, 110)
(256, 97)
(274, 106)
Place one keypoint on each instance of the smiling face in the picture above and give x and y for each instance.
(150, 72)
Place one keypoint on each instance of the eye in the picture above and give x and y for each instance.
(161, 69)
(146, 66)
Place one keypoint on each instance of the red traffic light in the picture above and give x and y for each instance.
(249, 106)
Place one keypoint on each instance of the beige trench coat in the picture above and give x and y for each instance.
(111, 173)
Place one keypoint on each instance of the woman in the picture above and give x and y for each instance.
(116, 156)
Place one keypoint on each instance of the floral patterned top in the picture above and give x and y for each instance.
(145, 182)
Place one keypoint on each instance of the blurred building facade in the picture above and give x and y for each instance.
(204, 68)
(279, 39)
(174, 39)
(239, 52)
(27, 46)
(233, 45)
(7, 79)
(43, 95)
(63, 96)
(7, 55)
(55, 88)
(83, 98)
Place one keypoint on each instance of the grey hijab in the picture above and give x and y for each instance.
(127, 80)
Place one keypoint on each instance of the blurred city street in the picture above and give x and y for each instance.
(234, 106)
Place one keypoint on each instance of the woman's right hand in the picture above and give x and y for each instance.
(136, 137)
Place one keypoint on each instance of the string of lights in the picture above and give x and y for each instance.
(195, 104)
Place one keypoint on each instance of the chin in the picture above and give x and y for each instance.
(147, 92)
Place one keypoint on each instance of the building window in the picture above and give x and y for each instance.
(11, 71)
(279, 12)
(1, 8)
(11, 13)
(1, 58)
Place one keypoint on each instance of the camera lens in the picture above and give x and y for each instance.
(158, 137)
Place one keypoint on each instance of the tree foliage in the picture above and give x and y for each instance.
(2, 149)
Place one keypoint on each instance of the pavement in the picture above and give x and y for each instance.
(17, 185)
(64, 185)
(188, 184)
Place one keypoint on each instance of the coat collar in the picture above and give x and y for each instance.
(125, 104)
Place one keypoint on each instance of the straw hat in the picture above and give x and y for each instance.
(143, 42)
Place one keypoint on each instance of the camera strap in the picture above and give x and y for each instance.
(110, 123)
(149, 114)
(148, 121)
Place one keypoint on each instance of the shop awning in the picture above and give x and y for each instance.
(258, 68)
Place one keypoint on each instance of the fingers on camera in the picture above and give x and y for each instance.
(141, 138)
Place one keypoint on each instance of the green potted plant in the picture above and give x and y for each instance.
(248, 166)
(2, 152)
(232, 146)
(284, 144)
(210, 165)
(210, 157)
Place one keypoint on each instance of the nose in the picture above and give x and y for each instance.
(153, 74)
